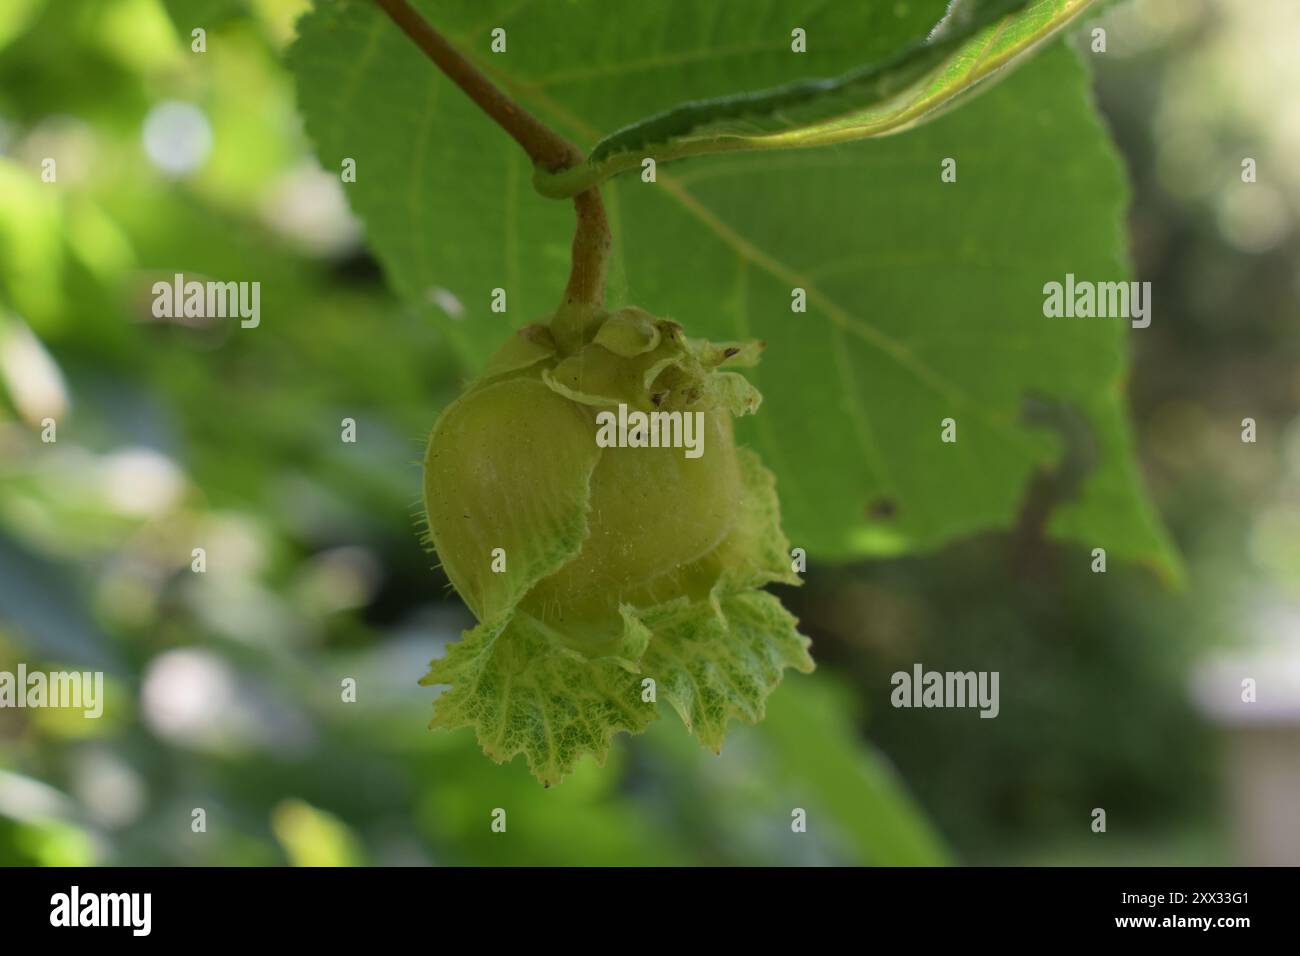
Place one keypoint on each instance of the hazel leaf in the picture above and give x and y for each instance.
(924, 297)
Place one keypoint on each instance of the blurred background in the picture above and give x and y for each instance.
(224, 688)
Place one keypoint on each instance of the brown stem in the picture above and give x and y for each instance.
(591, 245)
(545, 147)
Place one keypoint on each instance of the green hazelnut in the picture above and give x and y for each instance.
(526, 510)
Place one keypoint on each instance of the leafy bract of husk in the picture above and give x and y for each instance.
(529, 680)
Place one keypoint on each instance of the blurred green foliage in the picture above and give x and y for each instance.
(224, 689)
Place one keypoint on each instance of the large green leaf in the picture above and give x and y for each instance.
(924, 297)
(977, 40)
